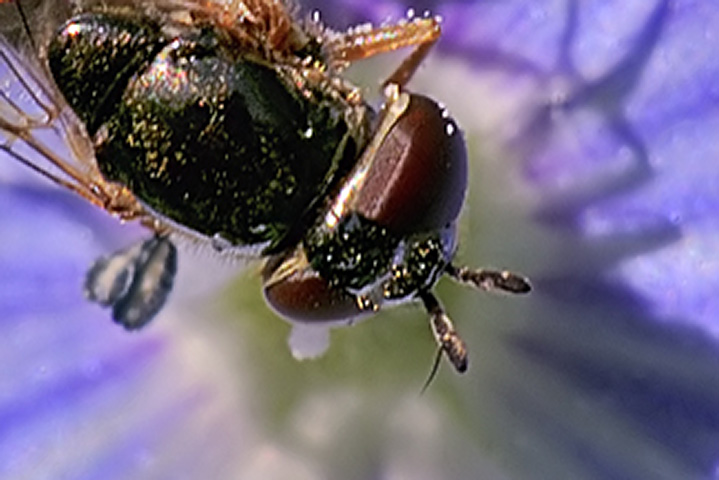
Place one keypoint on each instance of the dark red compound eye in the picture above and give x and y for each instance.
(415, 185)
(419, 174)
(254, 144)
(305, 296)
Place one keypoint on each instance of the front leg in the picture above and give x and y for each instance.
(361, 43)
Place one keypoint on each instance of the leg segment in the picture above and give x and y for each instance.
(360, 43)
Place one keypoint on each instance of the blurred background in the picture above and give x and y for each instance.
(591, 131)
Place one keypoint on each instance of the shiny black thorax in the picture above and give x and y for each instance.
(222, 143)
(214, 141)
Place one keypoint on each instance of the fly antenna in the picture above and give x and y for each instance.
(490, 280)
(433, 371)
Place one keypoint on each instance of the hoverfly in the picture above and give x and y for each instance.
(229, 123)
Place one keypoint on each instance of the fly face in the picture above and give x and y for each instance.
(229, 123)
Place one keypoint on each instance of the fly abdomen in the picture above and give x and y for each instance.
(93, 57)
(208, 137)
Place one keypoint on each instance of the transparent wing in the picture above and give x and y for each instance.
(255, 24)
(37, 128)
(34, 130)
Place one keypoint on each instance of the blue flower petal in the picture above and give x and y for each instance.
(591, 129)
(79, 397)
(617, 149)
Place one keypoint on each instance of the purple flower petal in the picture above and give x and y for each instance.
(590, 125)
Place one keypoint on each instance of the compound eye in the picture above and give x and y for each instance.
(419, 174)
(302, 295)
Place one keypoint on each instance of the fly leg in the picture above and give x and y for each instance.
(360, 43)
